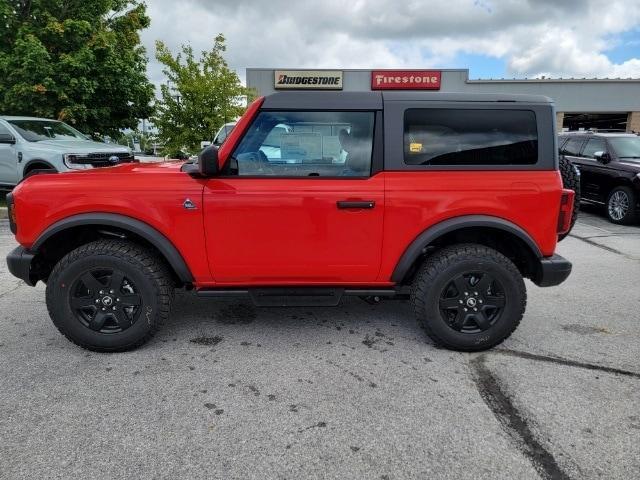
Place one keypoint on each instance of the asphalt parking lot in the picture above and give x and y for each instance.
(227, 390)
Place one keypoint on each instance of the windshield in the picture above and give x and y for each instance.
(626, 148)
(37, 130)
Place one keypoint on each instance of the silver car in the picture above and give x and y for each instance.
(28, 144)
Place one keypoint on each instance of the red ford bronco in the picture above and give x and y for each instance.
(447, 199)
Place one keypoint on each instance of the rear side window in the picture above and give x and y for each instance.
(470, 137)
(572, 147)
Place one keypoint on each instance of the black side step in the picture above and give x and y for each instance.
(297, 296)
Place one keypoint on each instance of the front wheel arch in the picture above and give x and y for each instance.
(69, 233)
(36, 164)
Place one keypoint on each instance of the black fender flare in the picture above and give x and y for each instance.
(144, 230)
(35, 160)
(415, 249)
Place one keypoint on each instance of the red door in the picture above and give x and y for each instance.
(287, 231)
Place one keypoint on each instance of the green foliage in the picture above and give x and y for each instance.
(200, 96)
(79, 61)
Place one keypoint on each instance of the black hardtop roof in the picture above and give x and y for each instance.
(374, 100)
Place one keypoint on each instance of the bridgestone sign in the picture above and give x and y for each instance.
(308, 79)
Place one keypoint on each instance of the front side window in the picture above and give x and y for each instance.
(594, 145)
(626, 148)
(38, 130)
(4, 130)
(470, 137)
(306, 144)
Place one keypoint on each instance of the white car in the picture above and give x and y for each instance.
(28, 144)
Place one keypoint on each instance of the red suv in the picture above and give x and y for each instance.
(449, 200)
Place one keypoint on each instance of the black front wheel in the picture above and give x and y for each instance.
(468, 297)
(109, 295)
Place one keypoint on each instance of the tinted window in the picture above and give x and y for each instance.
(470, 137)
(315, 144)
(572, 147)
(626, 148)
(594, 145)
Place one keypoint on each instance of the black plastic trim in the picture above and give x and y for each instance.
(19, 263)
(153, 236)
(415, 249)
(31, 162)
(552, 271)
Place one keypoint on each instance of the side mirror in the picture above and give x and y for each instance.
(208, 161)
(7, 138)
(602, 156)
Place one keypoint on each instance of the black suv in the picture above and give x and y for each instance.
(610, 170)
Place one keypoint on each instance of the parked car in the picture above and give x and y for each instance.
(28, 144)
(460, 202)
(223, 133)
(609, 165)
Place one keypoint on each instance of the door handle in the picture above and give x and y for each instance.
(343, 204)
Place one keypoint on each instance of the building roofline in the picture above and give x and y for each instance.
(460, 70)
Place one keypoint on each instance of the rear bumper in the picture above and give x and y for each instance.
(552, 271)
(19, 262)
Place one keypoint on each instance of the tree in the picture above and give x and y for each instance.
(77, 61)
(199, 97)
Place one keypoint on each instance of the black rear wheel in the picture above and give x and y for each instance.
(109, 295)
(468, 297)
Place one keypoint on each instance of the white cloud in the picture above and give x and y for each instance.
(536, 37)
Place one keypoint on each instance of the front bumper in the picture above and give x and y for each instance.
(19, 262)
(552, 271)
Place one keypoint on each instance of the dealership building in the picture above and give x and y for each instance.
(598, 103)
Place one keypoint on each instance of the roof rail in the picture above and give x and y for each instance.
(606, 130)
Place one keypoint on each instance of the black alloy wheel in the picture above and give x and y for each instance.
(110, 295)
(468, 297)
(472, 302)
(105, 300)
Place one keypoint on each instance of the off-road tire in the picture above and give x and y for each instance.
(571, 180)
(147, 272)
(631, 216)
(437, 272)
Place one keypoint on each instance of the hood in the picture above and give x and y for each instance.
(132, 168)
(630, 166)
(79, 146)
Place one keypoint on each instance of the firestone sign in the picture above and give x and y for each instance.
(406, 79)
(308, 79)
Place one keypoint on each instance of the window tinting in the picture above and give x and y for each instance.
(470, 137)
(572, 147)
(301, 144)
(594, 145)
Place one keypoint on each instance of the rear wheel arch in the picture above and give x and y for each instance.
(69, 233)
(494, 232)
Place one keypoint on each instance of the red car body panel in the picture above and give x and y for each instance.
(415, 201)
(289, 231)
(151, 193)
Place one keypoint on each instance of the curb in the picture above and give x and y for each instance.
(3, 212)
